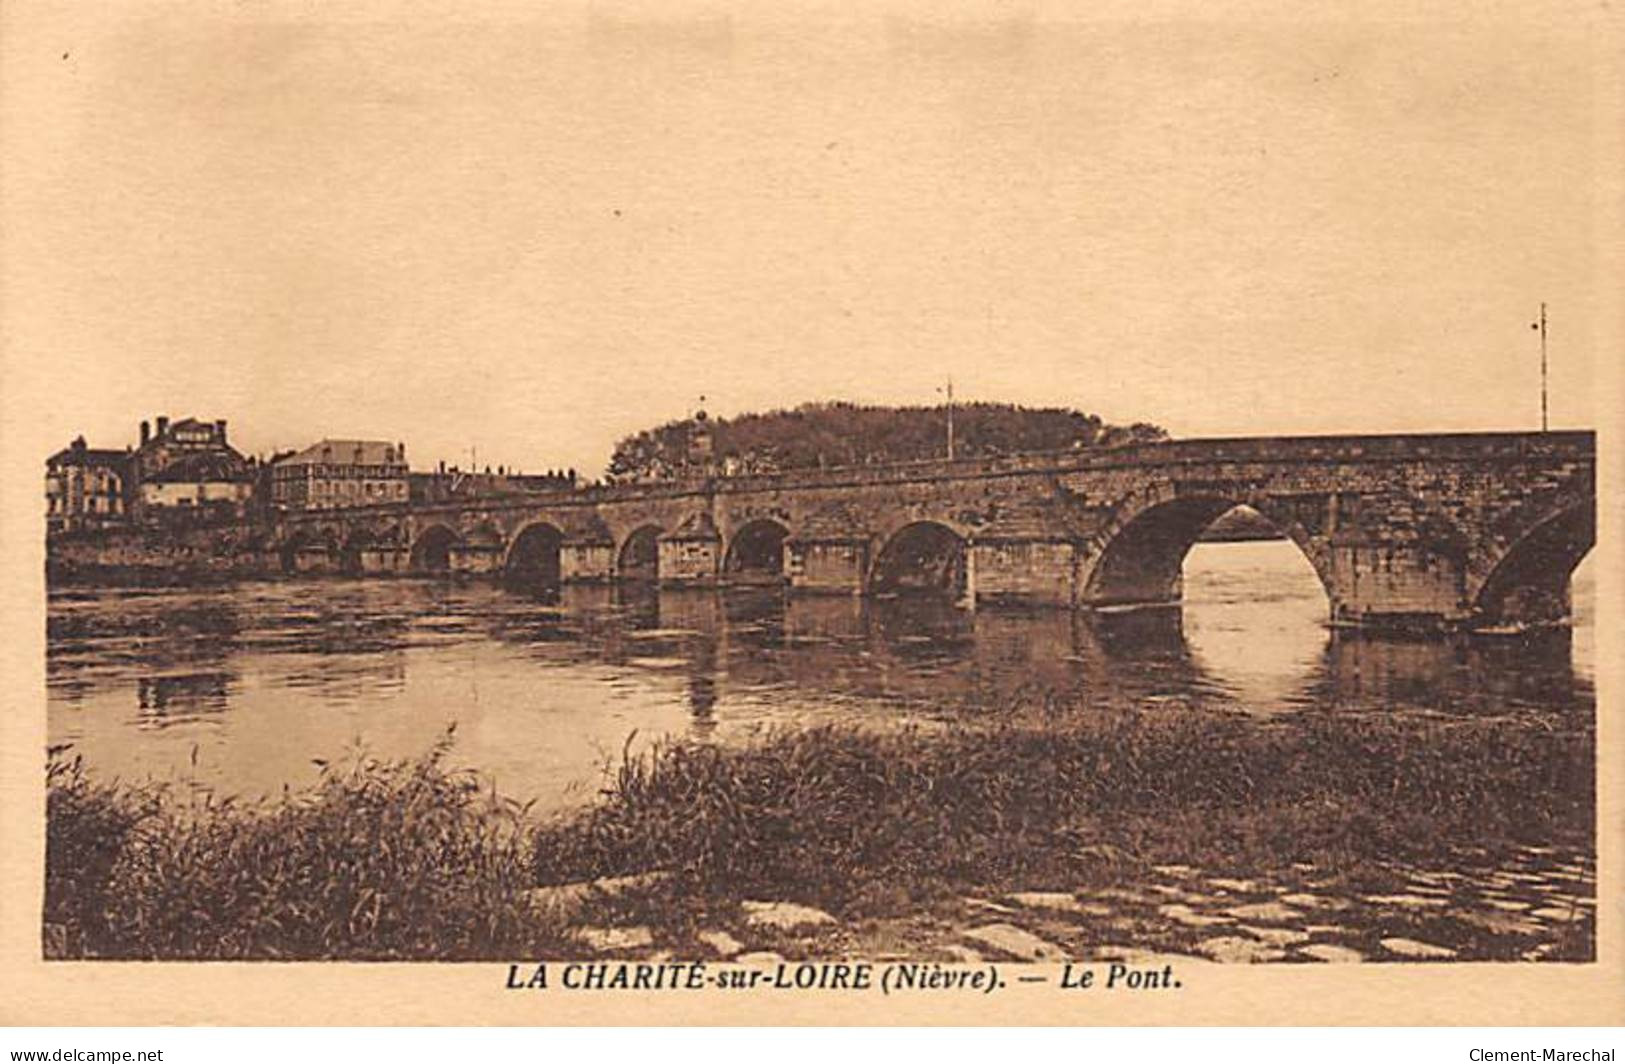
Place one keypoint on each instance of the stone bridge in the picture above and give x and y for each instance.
(1481, 529)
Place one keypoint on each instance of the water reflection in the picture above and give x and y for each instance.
(262, 678)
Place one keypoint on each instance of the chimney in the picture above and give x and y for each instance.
(163, 425)
(220, 431)
(146, 433)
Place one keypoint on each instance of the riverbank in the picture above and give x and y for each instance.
(1160, 831)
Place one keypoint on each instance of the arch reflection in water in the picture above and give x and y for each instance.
(1255, 618)
(544, 692)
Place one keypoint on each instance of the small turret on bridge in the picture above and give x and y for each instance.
(1434, 530)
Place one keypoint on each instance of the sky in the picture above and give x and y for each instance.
(524, 235)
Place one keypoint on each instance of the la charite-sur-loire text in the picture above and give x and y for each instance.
(899, 977)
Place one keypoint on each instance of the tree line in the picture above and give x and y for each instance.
(828, 434)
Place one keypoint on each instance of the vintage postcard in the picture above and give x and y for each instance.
(599, 513)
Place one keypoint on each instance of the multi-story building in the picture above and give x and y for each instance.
(85, 488)
(187, 468)
(336, 473)
(447, 485)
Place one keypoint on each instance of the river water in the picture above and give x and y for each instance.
(245, 688)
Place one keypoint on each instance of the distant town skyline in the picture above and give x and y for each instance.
(526, 236)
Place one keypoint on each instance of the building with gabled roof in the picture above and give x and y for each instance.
(189, 468)
(340, 473)
(85, 488)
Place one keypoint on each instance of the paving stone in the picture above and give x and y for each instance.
(1276, 936)
(989, 906)
(1058, 902)
(1270, 912)
(1324, 929)
(1008, 938)
(1498, 923)
(607, 939)
(721, 943)
(568, 899)
(962, 954)
(1144, 958)
(1405, 901)
(1506, 905)
(1238, 886)
(1118, 894)
(1314, 901)
(1174, 871)
(1432, 892)
(1184, 914)
(1234, 950)
(1112, 951)
(784, 915)
(1410, 947)
(1559, 913)
(1325, 951)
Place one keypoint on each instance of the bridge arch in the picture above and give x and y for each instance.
(535, 557)
(921, 556)
(431, 551)
(1529, 582)
(1138, 559)
(756, 551)
(638, 558)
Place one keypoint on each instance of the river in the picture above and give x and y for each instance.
(247, 688)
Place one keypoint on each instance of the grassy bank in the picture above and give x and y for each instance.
(378, 860)
(412, 860)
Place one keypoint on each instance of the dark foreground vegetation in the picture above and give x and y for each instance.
(413, 860)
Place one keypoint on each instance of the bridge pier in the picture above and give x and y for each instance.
(371, 561)
(690, 559)
(475, 559)
(836, 566)
(1021, 572)
(586, 563)
(1395, 585)
(314, 559)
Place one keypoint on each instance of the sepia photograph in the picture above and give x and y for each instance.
(993, 500)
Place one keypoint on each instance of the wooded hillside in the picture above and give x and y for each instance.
(845, 434)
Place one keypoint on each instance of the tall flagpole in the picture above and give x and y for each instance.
(950, 419)
(1543, 424)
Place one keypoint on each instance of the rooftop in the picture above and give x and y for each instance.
(348, 452)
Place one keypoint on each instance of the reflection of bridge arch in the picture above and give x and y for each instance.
(1530, 580)
(534, 557)
(756, 551)
(1140, 556)
(639, 555)
(921, 556)
(431, 551)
